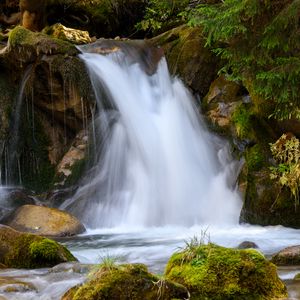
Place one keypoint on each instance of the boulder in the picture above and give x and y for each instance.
(126, 282)
(188, 57)
(247, 245)
(287, 257)
(71, 35)
(214, 272)
(44, 221)
(24, 250)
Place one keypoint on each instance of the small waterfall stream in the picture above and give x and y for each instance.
(158, 165)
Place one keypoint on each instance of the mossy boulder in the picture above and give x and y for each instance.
(24, 46)
(267, 202)
(214, 272)
(44, 221)
(287, 257)
(188, 57)
(126, 282)
(24, 250)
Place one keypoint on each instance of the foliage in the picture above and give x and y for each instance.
(163, 14)
(286, 152)
(259, 41)
(254, 158)
(242, 120)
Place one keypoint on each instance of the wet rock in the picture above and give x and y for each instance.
(11, 285)
(214, 272)
(74, 267)
(71, 167)
(59, 101)
(288, 256)
(247, 245)
(188, 57)
(132, 282)
(71, 35)
(44, 221)
(24, 250)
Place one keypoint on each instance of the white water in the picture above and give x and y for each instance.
(157, 165)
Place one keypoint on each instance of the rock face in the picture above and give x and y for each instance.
(24, 250)
(287, 257)
(44, 221)
(188, 58)
(126, 282)
(214, 272)
(57, 89)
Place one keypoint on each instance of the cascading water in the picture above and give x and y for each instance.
(157, 163)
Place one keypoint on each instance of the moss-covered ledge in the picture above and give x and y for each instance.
(25, 46)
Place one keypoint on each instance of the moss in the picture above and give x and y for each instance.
(255, 158)
(214, 272)
(31, 251)
(47, 251)
(43, 44)
(122, 282)
(242, 120)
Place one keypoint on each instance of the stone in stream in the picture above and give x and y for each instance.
(44, 221)
(126, 282)
(247, 245)
(287, 257)
(12, 285)
(24, 250)
(214, 272)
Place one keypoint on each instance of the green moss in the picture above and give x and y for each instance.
(31, 251)
(215, 272)
(43, 44)
(242, 120)
(255, 158)
(130, 281)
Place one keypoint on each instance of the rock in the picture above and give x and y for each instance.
(45, 66)
(188, 57)
(132, 282)
(247, 245)
(71, 35)
(71, 167)
(287, 257)
(11, 285)
(214, 272)
(266, 202)
(24, 250)
(44, 221)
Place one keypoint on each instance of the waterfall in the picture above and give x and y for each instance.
(156, 163)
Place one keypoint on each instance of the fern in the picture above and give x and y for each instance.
(260, 41)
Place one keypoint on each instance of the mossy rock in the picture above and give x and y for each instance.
(126, 282)
(214, 272)
(25, 46)
(24, 250)
(188, 58)
(266, 202)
